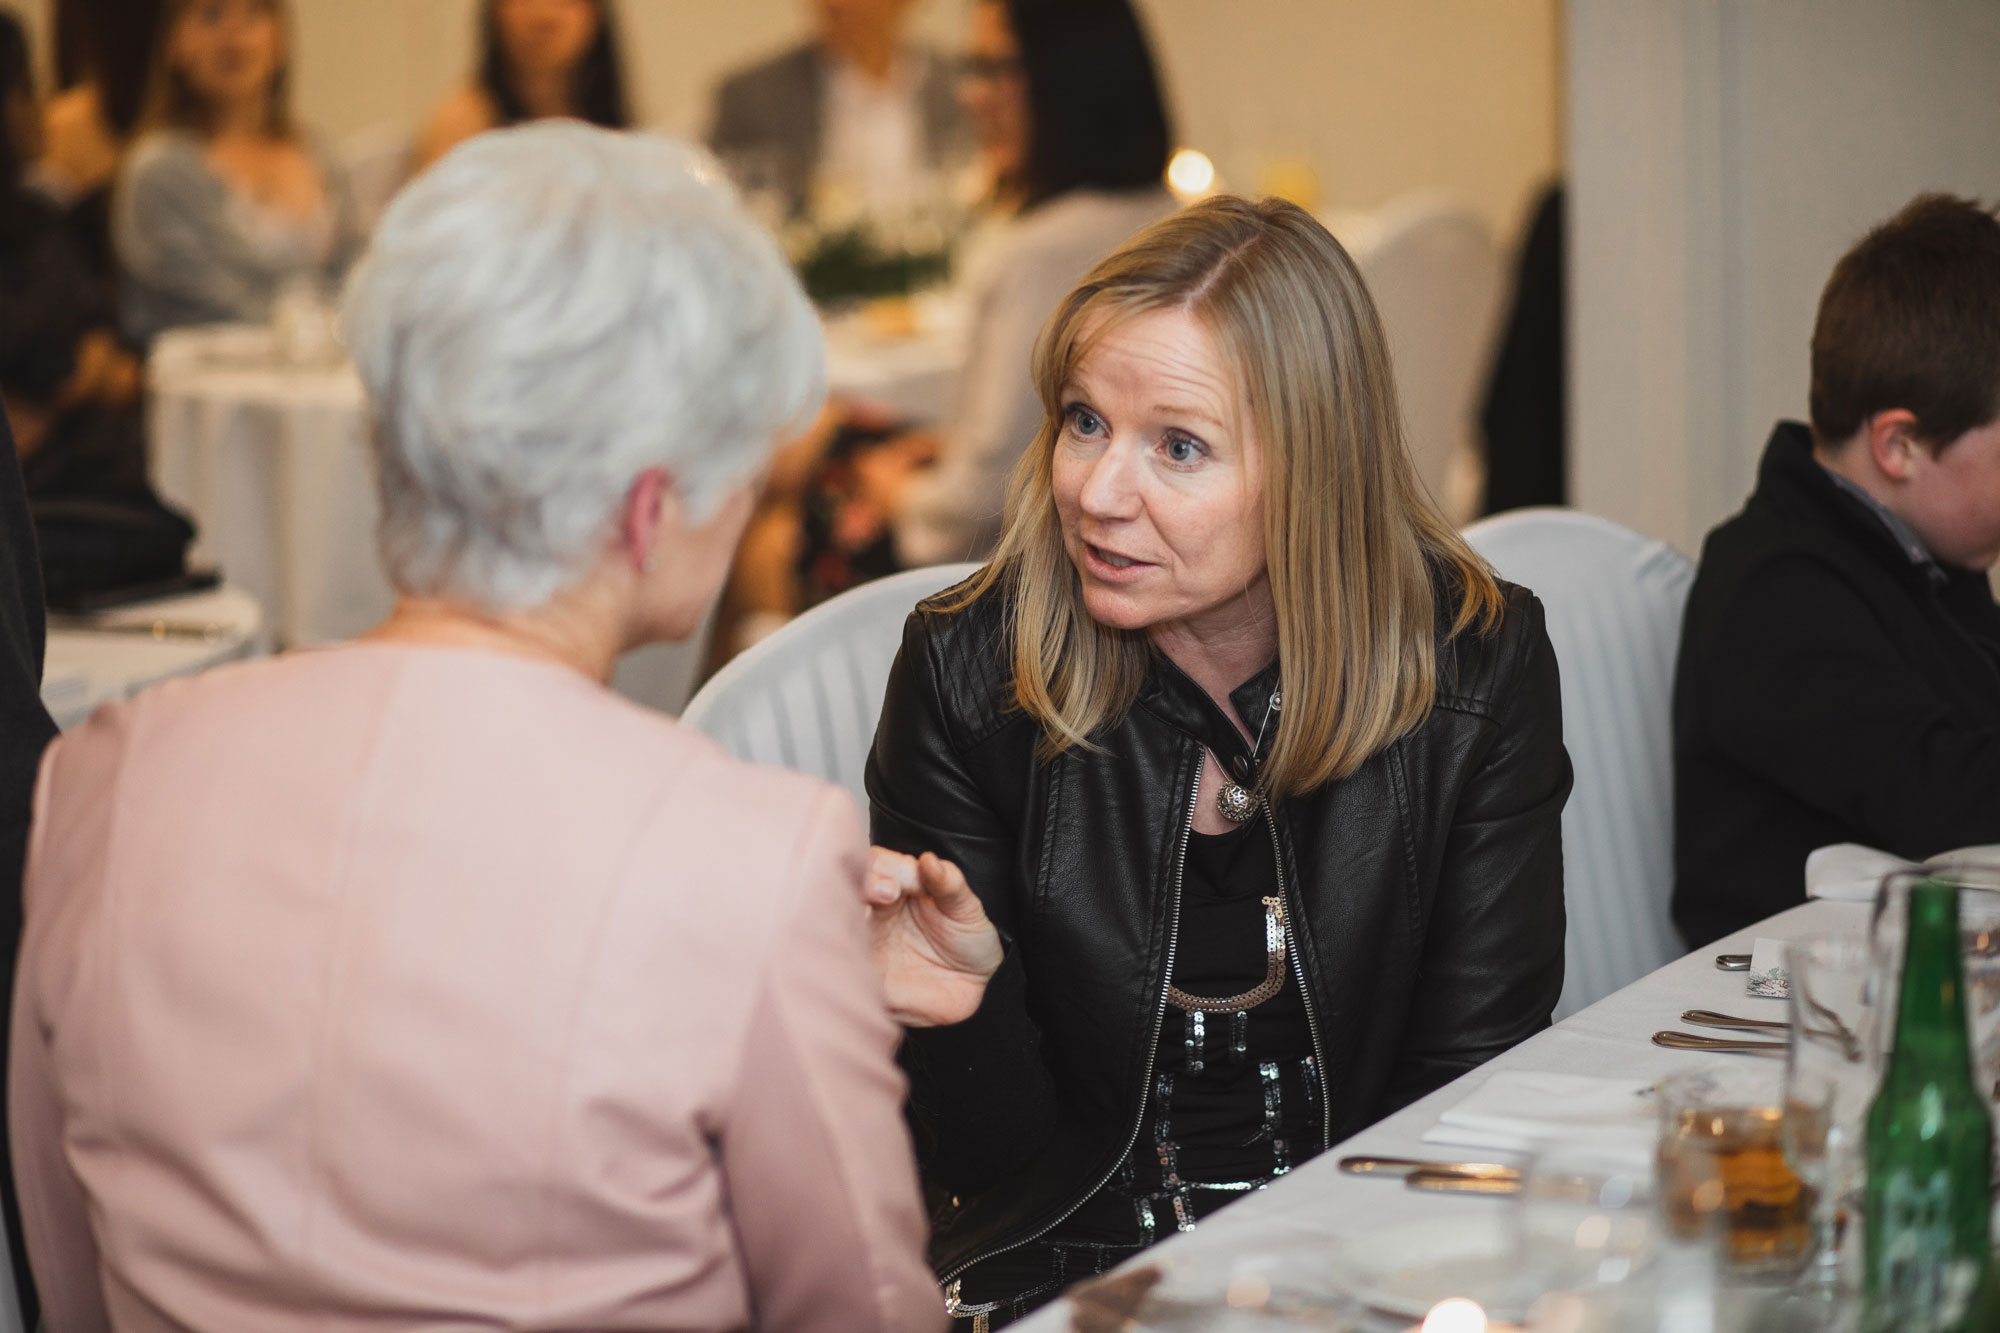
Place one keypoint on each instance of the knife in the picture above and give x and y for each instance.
(1688, 1041)
(1406, 1166)
(1447, 1182)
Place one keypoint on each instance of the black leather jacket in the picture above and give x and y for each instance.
(1425, 892)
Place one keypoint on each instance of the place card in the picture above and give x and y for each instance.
(1768, 978)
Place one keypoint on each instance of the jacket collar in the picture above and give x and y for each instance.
(1795, 483)
(1172, 695)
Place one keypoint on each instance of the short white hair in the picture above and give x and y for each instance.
(542, 316)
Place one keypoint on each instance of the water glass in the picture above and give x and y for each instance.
(1979, 924)
(1831, 1073)
(303, 324)
(1582, 1223)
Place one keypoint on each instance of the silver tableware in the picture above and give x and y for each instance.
(204, 631)
(1451, 1182)
(1690, 1041)
(1407, 1166)
(1708, 1018)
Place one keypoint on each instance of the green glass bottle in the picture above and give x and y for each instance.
(1930, 1143)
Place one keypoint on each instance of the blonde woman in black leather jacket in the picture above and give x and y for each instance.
(1240, 774)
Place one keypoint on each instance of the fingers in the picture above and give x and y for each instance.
(944, 883)
(890, 876)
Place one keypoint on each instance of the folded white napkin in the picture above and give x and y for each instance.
(1847, 872)
(1523, 1112)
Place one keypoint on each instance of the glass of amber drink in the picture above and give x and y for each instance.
(1722, 1164)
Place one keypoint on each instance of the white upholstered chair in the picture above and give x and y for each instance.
(808, 696)
(1613, 600)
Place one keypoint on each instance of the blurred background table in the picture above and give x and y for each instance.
(271, 461)
(121, 652)
(900, 355)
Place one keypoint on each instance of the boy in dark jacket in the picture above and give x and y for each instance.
(1839, 675)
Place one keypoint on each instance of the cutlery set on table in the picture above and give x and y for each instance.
(1768, 1037)
(1754, 1037)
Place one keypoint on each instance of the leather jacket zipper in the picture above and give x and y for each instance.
(1152, 1048)
(1294, 910)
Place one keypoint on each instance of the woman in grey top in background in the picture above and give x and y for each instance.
(223, 203)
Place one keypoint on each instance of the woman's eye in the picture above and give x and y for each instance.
(1181, 449)
(1084, 421)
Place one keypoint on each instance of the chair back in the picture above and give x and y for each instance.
(1613, 600)
(808, 696)
(1435, 273)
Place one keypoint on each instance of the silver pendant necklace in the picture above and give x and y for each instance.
(1234, 801)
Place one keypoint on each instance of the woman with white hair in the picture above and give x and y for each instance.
(423, 982)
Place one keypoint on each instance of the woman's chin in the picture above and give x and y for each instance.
(1117, 608)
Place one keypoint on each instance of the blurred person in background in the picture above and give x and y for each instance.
(70, 389)
(25, 731)
(1074, 136)
(45, 292)
(224, 202)
(540, 1010)
(104, 50)
(857, 121)
(538, 59)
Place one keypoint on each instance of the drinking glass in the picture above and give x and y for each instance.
(1722, 1153)
(1582, 1224)
(1595, 1250)
(1831, 1073)
(303, 323)
(1978, 884)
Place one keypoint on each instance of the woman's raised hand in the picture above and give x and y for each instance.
(934, 947)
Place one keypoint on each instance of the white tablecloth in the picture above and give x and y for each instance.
(84, 668)
(911, 376)
(1612, 1038)
(272, 462)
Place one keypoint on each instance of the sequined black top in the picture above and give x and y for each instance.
(1233, 1101)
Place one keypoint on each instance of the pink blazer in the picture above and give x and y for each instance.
(394, 988)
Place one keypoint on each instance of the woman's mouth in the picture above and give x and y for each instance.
(1110, 564)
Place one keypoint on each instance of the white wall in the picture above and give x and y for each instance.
(1382, 96)
(1723, 155)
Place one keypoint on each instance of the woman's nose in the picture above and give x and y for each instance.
(1110, 491)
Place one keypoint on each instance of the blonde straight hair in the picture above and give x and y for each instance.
(1352, 541)
(172, 104)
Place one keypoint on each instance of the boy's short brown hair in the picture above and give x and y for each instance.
(1910, 319)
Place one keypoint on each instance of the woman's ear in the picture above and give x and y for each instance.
(650, 506)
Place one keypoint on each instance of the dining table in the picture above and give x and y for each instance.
(1320, 1205)
(268, 453)
(93, 660)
